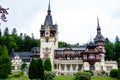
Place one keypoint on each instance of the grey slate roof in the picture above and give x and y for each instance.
(25, 56)
(99, 36)
(91, 44)
(49, 20)
(35, 49)
(73, 48)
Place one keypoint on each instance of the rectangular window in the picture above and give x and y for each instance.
(46, 40)
(101, 67)
(92, 67)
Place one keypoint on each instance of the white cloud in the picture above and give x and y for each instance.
(76, 19)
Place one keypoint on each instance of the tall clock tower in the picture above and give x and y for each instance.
(48, 37)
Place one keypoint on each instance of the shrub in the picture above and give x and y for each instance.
(5, 63)
(47, 65)
(49, 75)
(103, 72)
(114, 73)
(88, 71)
(119, 73)
(83, 76)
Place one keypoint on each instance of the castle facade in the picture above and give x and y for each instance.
(69, 60)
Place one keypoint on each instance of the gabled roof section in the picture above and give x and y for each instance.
(99, 36)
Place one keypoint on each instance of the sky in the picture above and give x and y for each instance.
(76, 19)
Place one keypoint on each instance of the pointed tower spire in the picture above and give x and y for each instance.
(99, 36)
(49, 11)
(98, 25)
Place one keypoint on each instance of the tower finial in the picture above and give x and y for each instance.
(49, 11)
(90, 38)
(98, 25)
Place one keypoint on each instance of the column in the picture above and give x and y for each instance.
(59, 67)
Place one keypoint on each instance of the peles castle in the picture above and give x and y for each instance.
(67, 60)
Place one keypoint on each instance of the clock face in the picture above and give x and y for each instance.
(47, 33)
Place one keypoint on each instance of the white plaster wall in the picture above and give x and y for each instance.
(86, 66)
(97, 66)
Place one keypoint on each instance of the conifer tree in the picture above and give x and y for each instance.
(6, 31)
(5, 64)
(32, 69)
(40, 69)
(14, 31)
(0, 32)
(109, 50)
(117, 48)
(47, 65)
(119, 68)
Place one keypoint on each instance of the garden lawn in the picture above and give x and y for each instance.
(102, 78)
(92, 78)
(17, 76)
(64, 78)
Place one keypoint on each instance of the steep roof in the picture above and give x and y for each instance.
(25, 56)
(99, 36)
(49, 21)
(91, 44)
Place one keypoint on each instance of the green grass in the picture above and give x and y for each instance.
(64, 78)
(102, 78)
(93, 78)
(17, 76)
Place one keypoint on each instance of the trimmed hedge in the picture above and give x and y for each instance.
(88, 71)
(83, 76)
(114, 73)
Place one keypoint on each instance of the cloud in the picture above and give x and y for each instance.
(76, 19)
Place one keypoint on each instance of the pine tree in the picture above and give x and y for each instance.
(0, 32)
(47, 65)
(32, 69)
(6, 31)
(40, 69)
(14, 31)
(109, 50)
(119, 73)
(117, 48)
(5, 64)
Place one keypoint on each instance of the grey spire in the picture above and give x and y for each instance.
(49, 17)
(98, 25)
(49, 11)
(99, 36)
(48, 20)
